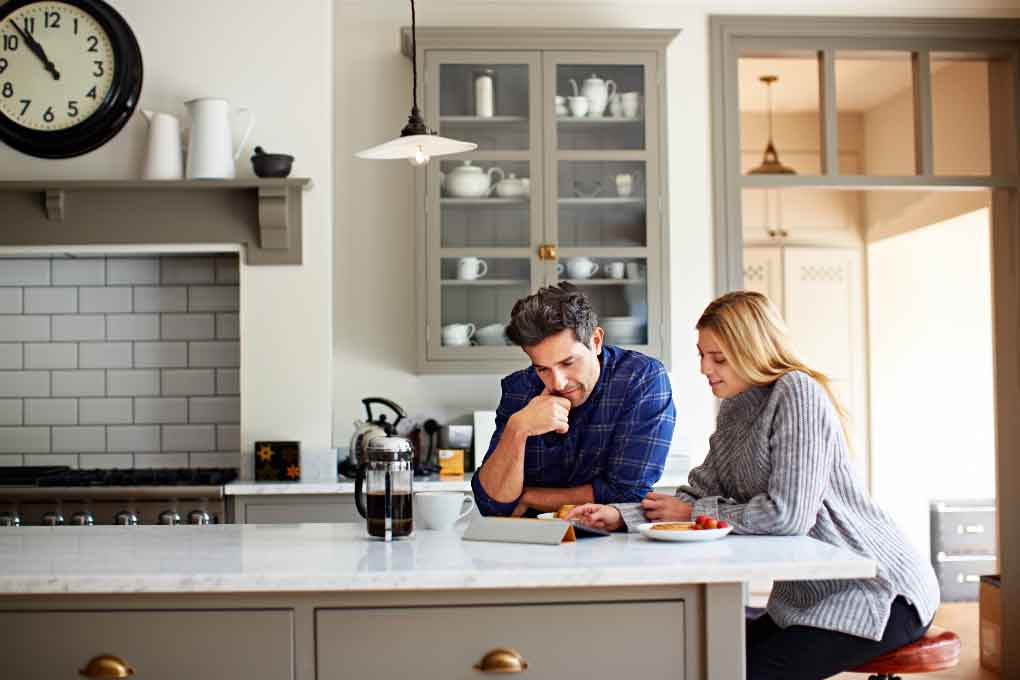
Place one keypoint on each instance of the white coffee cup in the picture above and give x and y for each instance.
(624, 184)
(614, 270)
(633, 270)
(630, 104)
(440, 510)
(458, 334)
(493, 334)
(578, 106)
(578, 268)
(561, 105)
(471, 268)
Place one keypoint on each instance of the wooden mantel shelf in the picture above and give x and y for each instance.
(262, 214)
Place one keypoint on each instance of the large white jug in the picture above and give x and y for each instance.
(164, 157)
(211, 152)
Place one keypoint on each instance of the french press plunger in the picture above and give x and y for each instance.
(385, 482)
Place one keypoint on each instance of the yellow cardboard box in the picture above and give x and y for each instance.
(451, 461)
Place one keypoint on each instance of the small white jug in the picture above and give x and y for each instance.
(163, 154)
(211, 153)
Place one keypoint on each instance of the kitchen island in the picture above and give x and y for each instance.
(324, 601)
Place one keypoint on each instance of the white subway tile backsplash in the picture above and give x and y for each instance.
(24, 439)
(153, 299)
(228, 437)
(161, 410)
(51, 300)
(51, 411)
(17, 272)
(213, 298)
(11, 356)
(110, 300)
(161, 355)
(10, 300)
(49, 355)
(104, 355)
(24, 328)
(222, 354)
(228, 326)
(87, 461)
(11, 411)
(228, 269)
(189, 327)
(79, 327)
(79, 272)
(187, 269)
(228, 381)
(219, 459)
(138, 383)
(79, 439)
(215, 409)
(25, 384)
(125, 270)
(69, 459)
(112, 411)
(79, 383)
(188, 382)
(141, 438)
(189, 437)
(161, 460)
(132, 327)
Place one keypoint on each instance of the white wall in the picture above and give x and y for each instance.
(931, 369)
(374, 350)
(280, 64)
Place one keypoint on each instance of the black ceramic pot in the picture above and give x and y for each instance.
(271, 164)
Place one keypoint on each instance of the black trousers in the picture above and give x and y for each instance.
(806, 653)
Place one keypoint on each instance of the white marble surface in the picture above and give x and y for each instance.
(340, 557)
(433, 483)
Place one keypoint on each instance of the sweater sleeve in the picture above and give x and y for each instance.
(800, 454)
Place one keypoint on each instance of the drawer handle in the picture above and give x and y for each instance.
(502, 660)
(970, 528)
(106, 666)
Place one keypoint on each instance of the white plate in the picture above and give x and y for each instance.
(689, 536)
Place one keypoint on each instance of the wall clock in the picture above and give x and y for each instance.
(70, 75)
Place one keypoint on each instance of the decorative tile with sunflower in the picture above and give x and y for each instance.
(277, 461)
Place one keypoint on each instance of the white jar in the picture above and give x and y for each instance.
(484, 93)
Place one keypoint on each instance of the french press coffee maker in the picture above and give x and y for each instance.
(382, 488)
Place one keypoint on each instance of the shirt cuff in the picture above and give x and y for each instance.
(487, 505)
(631, 514)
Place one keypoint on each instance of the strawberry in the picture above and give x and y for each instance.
(711, 523)
(723, 524)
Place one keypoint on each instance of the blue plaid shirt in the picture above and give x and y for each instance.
(618, 440)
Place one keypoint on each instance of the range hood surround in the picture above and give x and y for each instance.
(264, 215)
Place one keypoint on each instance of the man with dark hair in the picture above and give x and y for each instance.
(586, 422)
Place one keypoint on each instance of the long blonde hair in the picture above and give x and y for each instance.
(753, 337)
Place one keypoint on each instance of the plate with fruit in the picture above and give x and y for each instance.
(704, 528)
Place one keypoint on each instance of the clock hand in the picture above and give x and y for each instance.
(37, 50)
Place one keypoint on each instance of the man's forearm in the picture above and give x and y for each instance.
(546, 499)
(502, 475)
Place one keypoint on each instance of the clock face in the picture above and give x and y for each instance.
(57, 66)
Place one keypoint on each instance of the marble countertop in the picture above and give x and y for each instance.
(340, 557)
(430, 483)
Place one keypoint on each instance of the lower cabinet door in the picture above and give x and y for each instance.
(593, 641)
(158, 645)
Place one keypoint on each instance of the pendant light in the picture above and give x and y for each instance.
(770, 164)
(416, 143)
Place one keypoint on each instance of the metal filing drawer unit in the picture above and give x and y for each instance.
(962, 546)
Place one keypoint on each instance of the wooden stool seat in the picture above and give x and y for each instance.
(937, 650)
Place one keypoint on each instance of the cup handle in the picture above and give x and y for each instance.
(470, 507)
(594, 268)
(483, 268)
(559, 268)
(573, 84)
(611, 88)
(247, 131)
(471, 330)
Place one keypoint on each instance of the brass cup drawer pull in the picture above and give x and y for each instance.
(502, 660)
(106, 666)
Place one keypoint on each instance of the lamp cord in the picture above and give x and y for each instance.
(414, 61)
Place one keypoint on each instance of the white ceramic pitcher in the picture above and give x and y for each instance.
(163, 155)
(211, 152)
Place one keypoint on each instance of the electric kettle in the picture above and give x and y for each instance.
(367, 430)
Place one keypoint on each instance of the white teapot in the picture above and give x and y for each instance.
(470, 181)
(597, 92)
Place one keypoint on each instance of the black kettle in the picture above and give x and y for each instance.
(367, 430)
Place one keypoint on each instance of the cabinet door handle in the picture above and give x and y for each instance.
(106, 666)
(547, 251)
(502, 660)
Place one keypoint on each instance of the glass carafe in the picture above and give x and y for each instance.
(383, 488)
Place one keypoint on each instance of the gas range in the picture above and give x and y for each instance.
(52, 496)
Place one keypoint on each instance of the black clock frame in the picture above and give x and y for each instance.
(113, 112)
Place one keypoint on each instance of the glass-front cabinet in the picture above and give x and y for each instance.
(566, 185)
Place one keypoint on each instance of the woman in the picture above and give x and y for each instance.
(778, 464)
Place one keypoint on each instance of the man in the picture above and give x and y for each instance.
(587, 422)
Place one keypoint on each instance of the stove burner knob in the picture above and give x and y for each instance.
(125, 518)
(52, 519)
(83, 519)
(169, 518)
(199, 517)
(10, 519)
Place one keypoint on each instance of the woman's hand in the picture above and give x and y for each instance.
(597, 516)
(661, 507)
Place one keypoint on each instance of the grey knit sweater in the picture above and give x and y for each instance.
(778, 465)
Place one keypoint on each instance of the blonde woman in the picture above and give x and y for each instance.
(778, 464)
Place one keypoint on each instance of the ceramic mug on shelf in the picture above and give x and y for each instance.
(578, 268)
(633, 270)
(616, 106)
(440, 510)
(615, 270)
(630, 104)
(458, 334)
(471, 268)
(492, 334)
(578, 106)
(625, 183)
(561, 106)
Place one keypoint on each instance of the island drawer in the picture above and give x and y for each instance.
(226, 645)
(584, 640)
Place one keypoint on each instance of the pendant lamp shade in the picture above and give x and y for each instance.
(416, 143)
(770, 164)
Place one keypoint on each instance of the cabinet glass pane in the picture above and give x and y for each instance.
(600, 106)
(601, 203)
(485, 204)
(485, 103)
(618, 289)
(477, 295)
(960, 114)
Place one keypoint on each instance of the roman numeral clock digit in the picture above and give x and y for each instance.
(70, 76)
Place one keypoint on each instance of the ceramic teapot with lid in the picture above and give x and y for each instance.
(509, 187)
(470, 181)
(597, 91)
